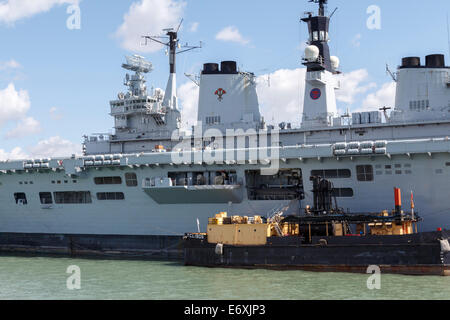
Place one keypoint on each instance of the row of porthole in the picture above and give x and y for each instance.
(390, 172)
(53, 182)
(65, 181)
(26, 182)
(396, 166)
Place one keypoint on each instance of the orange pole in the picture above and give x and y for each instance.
(398, 200)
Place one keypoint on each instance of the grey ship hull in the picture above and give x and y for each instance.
(421, 165)
(103, 246)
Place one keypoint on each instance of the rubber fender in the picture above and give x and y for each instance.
(219, 249)
(445, 246)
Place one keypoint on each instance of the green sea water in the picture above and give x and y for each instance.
(46, 278)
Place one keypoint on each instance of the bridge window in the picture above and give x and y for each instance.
(108, 180)
(343, 192)
(322, 36)
(72, 197)
(20, 198)
(46, 197)
(110, 196)
(315, 36)
(364, 173)
(131, 179)
(332, 173)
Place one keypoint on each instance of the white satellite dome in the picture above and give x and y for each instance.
(334, 62)
(312, 53)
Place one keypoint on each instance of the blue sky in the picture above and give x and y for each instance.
(69, 76)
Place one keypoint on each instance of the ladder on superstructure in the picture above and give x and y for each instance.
(159, 118)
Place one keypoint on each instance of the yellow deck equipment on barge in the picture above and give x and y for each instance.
(237, 230)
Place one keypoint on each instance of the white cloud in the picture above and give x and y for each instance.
(384, 97)
(188, 96)
(148, 17)
(13, 104)
(231, 34)
(194, 27)
(54, 147)
(25, 127)
(282, 101)
(11, 64)
(15, 154)
(353, 84)
(14, 10)
(54, 115)
(49, 148)
(356, 41)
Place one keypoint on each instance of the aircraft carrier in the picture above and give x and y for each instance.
(150, 182)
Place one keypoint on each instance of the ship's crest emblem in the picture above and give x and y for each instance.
(220, 92)
(315, 94)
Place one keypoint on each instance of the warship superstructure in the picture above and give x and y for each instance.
(149, 178)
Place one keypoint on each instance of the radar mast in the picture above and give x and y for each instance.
(171, 41)
(320, 101)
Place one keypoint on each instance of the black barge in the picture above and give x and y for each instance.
(322, 239)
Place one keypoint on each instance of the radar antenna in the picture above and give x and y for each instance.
(322, 4)
(137, 64)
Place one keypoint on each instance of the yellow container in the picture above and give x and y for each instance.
(238, 234)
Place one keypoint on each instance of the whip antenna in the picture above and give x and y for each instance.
(448, 35)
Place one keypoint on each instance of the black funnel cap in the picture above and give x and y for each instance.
(210, 68)
(411, 62)
(435, 61)
(228, 67)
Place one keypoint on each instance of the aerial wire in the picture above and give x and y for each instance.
(448, 36)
